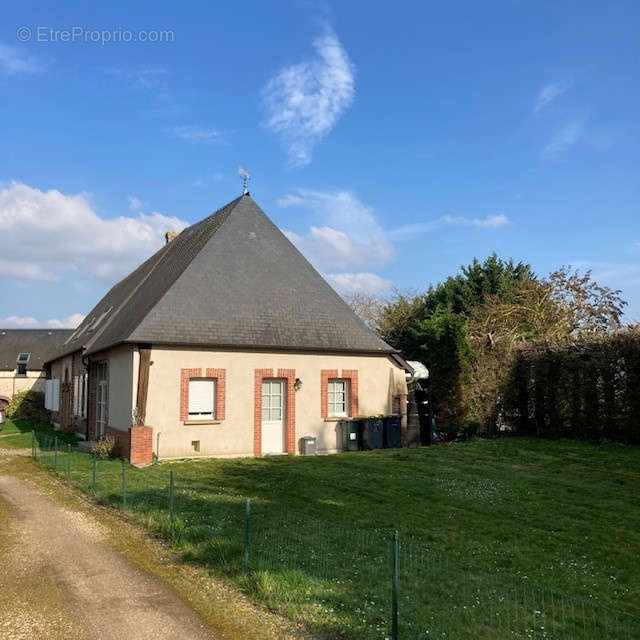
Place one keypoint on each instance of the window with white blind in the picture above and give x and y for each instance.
(338, 398)
(202, 399)
(76, 395)
(52, 395)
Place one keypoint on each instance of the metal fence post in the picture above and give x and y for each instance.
(68, 463)
(55, 453)
(33, 444)
(93, 472)
(247, 537)
(124, 485)
(394, 606)
(171, 506)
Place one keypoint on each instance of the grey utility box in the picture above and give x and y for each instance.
(308, 446)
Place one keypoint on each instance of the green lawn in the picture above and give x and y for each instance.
(505, 538)
(16, 434)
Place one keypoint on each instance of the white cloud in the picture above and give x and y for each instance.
(195, 133)
(550, 92)
(304, 101)
(29, 322)
(24, 271)
(144, 77)
(135, 204)
(489, 222)
(14, 60)
(350, 283)
(350, 235)
(408, 231)
(566, 137)
(47, 235)
(218, 176)
(70, 322)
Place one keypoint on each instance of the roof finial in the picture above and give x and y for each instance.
(245, 179)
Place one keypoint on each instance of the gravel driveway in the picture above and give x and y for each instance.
(60, 578)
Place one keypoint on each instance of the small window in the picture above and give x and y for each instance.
(21, 369)
(202, 396)
(338, 398)
(23, 357)
(195, 445)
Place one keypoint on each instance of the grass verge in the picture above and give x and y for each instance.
(481, 524)
(16, 434)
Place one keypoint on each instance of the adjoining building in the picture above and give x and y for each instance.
(226, 342)
(23, 353)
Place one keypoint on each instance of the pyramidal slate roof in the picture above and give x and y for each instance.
(231, 280)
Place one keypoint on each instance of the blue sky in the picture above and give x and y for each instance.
(391, 141)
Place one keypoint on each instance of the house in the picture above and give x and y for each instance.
(23, 353)
(226, 342)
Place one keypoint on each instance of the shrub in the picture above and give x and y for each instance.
(107, 448)
(586, 388)
(28, 405)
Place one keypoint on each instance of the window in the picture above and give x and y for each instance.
(76, 395)
(202, 399)
(52, 395)
(101, 398)
(338, 397)
(23, 357)
(83, 398)
(21, 369)
(272, 396)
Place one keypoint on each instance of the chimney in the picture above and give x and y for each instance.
(171, 235)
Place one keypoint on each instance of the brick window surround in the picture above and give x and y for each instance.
(290, 403)
(332, 374)
(219, 375)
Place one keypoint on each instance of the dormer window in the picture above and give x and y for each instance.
(21, 363)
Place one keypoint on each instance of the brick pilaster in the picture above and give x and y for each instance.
(141, 446)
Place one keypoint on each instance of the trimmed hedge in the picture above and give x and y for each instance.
(586, 388)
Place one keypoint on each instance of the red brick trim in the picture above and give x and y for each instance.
(185, 376)
(352, 376)
(290, 407)
(220, 376)
(259, 374)
(332, 374)
(325, 375)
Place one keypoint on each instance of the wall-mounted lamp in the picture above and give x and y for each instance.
(297, 384)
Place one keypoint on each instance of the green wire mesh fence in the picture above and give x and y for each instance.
(337, 578)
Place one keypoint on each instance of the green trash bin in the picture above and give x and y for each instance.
(372, 433)
(351, 435)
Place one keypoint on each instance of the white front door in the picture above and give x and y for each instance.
(273, 416)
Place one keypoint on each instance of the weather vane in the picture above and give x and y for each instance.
(245, 180)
